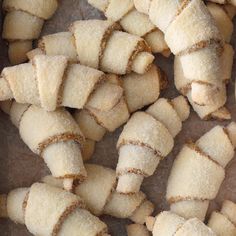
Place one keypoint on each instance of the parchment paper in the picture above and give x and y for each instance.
(20, 168)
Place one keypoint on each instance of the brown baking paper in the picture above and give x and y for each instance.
(20, 167)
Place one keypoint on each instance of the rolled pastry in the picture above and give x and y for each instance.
(224, 222)
(75, 86)
(216, 110)
(139, 91)
(199, 170)
(98, 192)
(147, 138)
(53, 135)
(23, 23)
(50, 82)
(137, 230)
(47, 211)
(133, 22)
(191, 34)
(170, 224)
(131, 52)
(223, 16)
(223, 19)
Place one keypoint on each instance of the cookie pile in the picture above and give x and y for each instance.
(104, 71)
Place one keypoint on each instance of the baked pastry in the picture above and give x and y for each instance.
(199, 170)
(139, 91)
(46, 210)
(50, 82)
(170, 224)
(223, 16)
(23, 23)
(147, 138)
(193, 36)
(54, 136)
(224, 222)
(98, 192)
(132, 52)
(133, 22)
